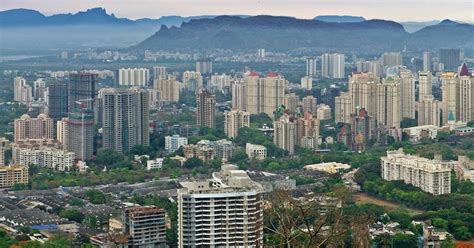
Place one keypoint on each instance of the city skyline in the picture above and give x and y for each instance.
(404, 10)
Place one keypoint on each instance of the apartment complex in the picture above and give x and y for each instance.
(234, 120)
(11, 175)
(430, 175)
(133, 76)
(174, 142)
(264, 95)
(27, 128)
(256, 151)
(48, 154)
(144, 226)
(125, 118)
(205, 109)
(225, 211)
(22, 92)
(333, 65)
(168, 89)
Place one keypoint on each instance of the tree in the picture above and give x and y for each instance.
(440, 223)
(401, 240)
(193, 163)
(108, 157)
(442, 136)
(294, 223)
(72, 214)
(408, 122)
(96, 196)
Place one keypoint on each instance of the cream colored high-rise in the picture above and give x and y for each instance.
(310, 104)
(466, 99)
(239, 95)
(450, 92)
(284, 135)
(429, 111)
(425, 84)
(22, 92)
(388, 103)
(391, 59)
(33, 128)
(168, 89)
(234, 120)
(343, 107)
(407, 94)
(291, 102)
(363, 92)
(264, 95)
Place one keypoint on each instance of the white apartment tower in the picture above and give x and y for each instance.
(225, 211)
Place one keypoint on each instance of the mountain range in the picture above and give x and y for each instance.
(291, 34)
(24, 30)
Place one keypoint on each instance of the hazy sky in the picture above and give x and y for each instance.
(400, 10)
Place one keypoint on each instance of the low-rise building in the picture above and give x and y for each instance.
(154, 163)
(49, 156)
(173, 143)
(430, 175)
(330, 167)
(203, 152)
(256, 151)
(464, 168)
(13, 174)
(417, 133)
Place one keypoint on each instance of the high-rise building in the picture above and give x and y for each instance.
(159, 72)
(375, 67)
(57, 100)
(125, 118)
(466, 95)
(432, 176)
(133, 76)
(261, 53)
(39, 88)
(234, 120)
(11, 175)
(203, 221)
(425, 84)
(291, 101)
(22, 92)
(429, 111)
(388, 103)
(76, 133)
(323, 112)
(27, 128)
(205, 109)
(220, 82)
(4, 146)
(307, 131)
(168, 89)
(450, 96)
(391, 59)
(363, 92)
(264, 95)
(451, 58)
(407, 94)
(426, 61)
(333, 65)
(307, 82)
(204, 66)
(144, 226)
(82, 88)
(192, 80)
(174, 142)
(343, 109)
(284, 135)
(239, 95)
(363, 129)
(311, 66)
(310, 104)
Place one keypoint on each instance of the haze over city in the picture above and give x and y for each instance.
(226, 123)
(398, 10)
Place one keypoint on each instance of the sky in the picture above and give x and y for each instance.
(398, 10)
